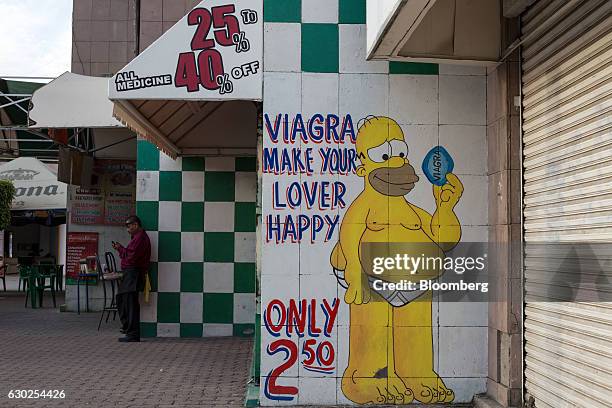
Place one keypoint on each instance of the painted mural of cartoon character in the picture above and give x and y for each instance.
(390, 341)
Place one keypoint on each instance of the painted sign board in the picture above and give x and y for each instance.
(80, 245)
(87, 207)
(215, 52)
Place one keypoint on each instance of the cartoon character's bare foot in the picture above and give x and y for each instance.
(375, 390)
(429, 390)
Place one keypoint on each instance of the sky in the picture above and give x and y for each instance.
(35, 37)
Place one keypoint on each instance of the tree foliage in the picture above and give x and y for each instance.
(7, 193)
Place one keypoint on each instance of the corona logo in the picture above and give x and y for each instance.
(36, 191)
(18, 175)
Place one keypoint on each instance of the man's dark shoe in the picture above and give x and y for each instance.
(129, 339)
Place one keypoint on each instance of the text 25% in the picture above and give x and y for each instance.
(207, 68)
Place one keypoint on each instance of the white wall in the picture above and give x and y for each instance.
(61, 245)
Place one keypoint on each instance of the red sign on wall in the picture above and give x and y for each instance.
(80, 245)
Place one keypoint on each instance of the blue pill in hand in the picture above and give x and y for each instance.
(437, 163)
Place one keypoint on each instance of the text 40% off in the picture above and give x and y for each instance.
(225, 83)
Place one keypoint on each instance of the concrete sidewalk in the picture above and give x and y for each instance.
(43, 349)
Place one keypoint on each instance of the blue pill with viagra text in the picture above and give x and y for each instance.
(437, 163)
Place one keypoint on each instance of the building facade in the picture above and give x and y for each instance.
(379, 124)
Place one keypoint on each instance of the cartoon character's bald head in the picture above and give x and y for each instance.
(383, 153)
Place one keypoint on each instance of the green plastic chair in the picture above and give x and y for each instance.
(29, 276)
(46, 271)
(24, 272)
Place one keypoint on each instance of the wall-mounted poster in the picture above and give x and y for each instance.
(88, 206)
(111, 197)
(80, 245)
(120, 191)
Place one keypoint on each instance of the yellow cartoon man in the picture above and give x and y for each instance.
(390, 341)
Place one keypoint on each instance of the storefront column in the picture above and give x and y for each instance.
(504, 165)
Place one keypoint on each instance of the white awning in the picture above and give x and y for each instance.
(447, 31)
(73, 101)
(36, 185)
(211, 56)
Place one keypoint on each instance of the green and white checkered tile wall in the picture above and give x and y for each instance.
(200, 216)
(323, 36)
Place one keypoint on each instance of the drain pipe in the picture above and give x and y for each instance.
(136, 50)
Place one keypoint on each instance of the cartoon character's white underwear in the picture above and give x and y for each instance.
(396, 298)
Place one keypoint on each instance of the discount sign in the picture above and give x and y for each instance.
(213, 53)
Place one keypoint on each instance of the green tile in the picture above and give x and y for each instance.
(218, 247)
(219, 186)
(244, 277)
(415, 68)
(148, 329)
(153, 276)
(168, 307)
(244, 330)
(170, 186)
(246, 164)
(283, 11)
(148, 212)
(192, 276)
(320, 48)
(193, 164)
(352, 12)
(191, 330)
(218, 308)
(147, 156)
(244, 217)
(192, 217)
(169, 247)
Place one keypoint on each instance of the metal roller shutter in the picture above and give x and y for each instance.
(567, 170)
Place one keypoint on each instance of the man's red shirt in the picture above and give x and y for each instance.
(138, 252)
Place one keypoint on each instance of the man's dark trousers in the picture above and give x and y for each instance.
(127, 302)
(119, 298)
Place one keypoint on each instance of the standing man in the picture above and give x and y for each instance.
(134, 265)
